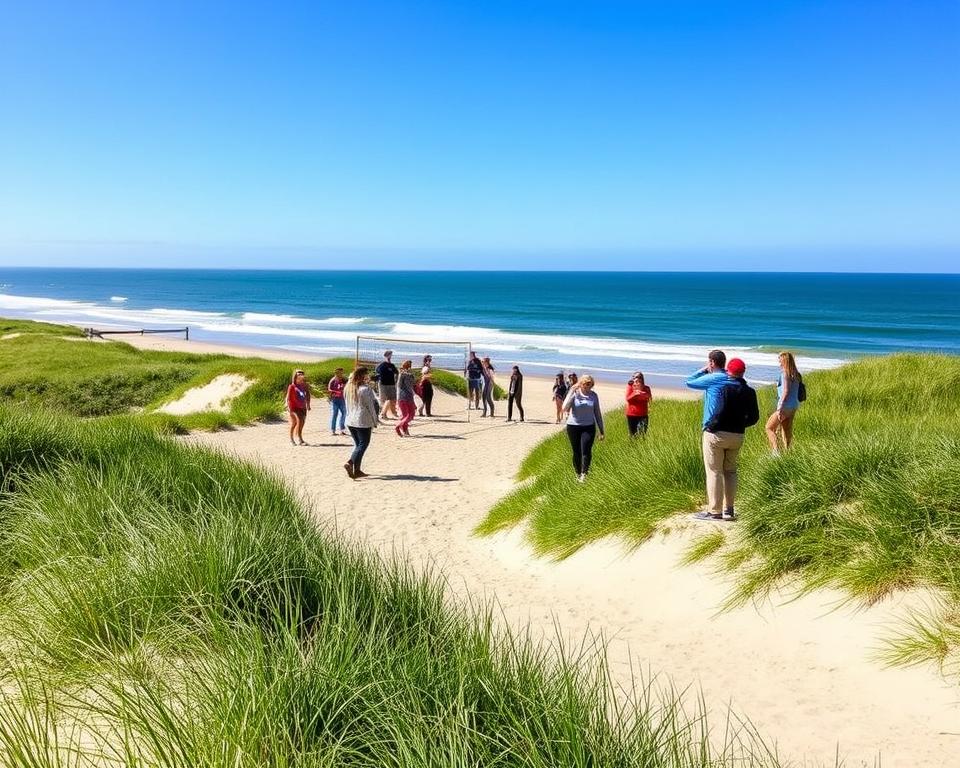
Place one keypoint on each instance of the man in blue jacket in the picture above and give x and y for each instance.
(729, 407)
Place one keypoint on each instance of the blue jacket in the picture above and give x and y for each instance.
(711, 384)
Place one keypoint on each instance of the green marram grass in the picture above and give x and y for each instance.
(53, 367)
(867, 501)
(162, 605)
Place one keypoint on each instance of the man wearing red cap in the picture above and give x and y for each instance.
(729, 407)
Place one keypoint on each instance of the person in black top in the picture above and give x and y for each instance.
(515, 393)
(387, 383)
(559, 394)
(474, 381)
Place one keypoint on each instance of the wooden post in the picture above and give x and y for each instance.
(186, 333)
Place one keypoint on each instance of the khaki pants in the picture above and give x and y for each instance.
(720, 453)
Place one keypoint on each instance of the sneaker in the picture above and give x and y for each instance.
(775, 453)
(729, 514)
(582, 478)
(349, 467)
(708, 516)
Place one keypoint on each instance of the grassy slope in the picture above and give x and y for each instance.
(162, 605)
(868, 500)
(42, 368)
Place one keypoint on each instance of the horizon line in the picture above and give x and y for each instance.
(492, 271)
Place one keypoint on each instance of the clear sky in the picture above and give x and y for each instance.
(651, 134)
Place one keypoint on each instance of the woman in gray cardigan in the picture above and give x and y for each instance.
(363, 414)
(583, 424)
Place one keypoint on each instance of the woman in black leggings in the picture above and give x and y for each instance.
(515, 393)
(584, 424)
(426, 386)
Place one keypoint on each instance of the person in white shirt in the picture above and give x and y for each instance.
(363, 414)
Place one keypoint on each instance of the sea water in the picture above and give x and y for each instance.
(606, 323)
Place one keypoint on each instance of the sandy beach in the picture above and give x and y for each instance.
(803, 671)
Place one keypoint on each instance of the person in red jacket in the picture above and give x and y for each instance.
(298, 403)
(638, 399)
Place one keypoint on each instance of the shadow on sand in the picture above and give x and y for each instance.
(418, 478)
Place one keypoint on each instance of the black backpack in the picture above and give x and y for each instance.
(801, 390)
(737, 409)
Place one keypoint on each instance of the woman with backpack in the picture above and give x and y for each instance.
(789, 385)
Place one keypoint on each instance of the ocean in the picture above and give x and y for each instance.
(605, 323)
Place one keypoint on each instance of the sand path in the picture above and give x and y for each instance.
(803, 672)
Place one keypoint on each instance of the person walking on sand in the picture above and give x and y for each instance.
(583, 424)
(488, 383)
(571, 383)
(638, 402)
(780, 423)
(387, 383)
(405, 390)
(338, 408)
(474, 381)
(426, 386)
(729, 407)
(559, 394)
(515, 393)
(298, 403)
(362, 417)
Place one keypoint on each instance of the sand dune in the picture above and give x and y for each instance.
(213, 395)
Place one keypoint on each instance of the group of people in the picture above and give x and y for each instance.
(729, 408)
(399, 387)
(480, 387)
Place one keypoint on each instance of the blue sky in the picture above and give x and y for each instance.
(659, 135)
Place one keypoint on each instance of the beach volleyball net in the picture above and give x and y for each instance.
(449, 356)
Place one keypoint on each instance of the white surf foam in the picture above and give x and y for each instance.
(336, 335)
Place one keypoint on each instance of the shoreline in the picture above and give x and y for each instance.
(607, 388)
(536, 333)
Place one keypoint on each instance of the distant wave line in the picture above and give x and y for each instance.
(487, 339)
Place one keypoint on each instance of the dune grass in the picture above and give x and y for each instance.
(161, 605)
(868, 500)
(53, 367)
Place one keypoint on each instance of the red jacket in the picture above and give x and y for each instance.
(637, 401)
(297, 401)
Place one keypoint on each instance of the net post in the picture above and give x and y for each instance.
(466, 380)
